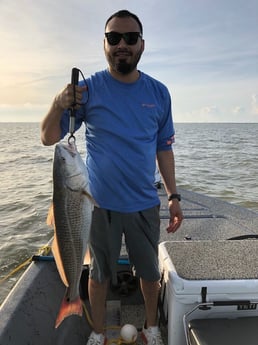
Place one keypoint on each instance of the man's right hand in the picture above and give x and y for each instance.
(65, 99)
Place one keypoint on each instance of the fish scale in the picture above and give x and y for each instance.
(72, 239)
(71, 216)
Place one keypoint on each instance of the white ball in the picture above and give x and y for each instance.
(129, 333)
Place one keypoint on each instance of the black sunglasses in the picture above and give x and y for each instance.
(130, 38)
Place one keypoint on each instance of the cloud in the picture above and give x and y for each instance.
(205, 114)
(238, 110)
(203, 51)
(26, 112)
(254, 104)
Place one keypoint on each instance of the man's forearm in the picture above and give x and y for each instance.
(50, 126)
(166, 164)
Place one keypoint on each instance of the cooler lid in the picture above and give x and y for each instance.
(214, 260)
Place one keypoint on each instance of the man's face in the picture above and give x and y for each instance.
(122, 57)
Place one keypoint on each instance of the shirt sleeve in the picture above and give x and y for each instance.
(166, 134)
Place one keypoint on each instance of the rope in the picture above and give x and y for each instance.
(88, 318)
(42, 251)
(118, 340)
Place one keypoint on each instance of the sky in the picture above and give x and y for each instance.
(204, 51)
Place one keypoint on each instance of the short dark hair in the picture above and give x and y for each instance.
(124, 14)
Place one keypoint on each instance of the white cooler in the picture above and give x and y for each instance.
(207, 271)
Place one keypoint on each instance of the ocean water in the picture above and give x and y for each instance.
(219, 160)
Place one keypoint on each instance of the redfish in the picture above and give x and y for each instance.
(71, 215)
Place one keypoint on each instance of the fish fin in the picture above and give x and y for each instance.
(55, 248)
(50, 216)
(68, 308)
(87, 257)
(87, 194)
(58, 260)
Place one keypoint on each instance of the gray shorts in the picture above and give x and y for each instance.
(141, 231)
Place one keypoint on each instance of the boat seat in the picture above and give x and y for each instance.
(239, 331)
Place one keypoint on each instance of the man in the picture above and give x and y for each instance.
(128, 127)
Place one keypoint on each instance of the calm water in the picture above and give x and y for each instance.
(215, 159)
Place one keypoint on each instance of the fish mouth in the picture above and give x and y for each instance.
(70, 148)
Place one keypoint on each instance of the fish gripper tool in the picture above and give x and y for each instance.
(72, 110)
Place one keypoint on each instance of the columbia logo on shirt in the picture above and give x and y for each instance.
(146, 105)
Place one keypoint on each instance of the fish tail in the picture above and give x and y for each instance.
(68, 308)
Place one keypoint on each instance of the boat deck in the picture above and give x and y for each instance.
(27, 316)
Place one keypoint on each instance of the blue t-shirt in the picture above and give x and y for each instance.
(126, 124)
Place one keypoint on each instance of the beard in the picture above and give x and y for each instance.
(125, 68)
(121, 65)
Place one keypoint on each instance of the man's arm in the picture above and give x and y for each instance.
(50, 126)
(167, 169)
(166, 164)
